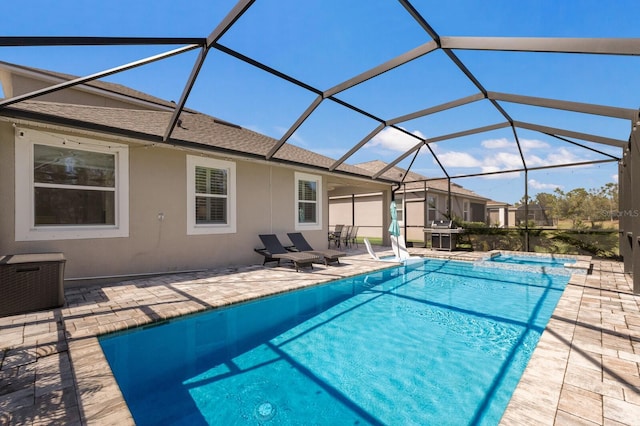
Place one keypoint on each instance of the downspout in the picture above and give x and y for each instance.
(393, 191)
(404, 209)
(353, 209)
(526, 188)
(425, 211)
(449, 212)
(526, 210)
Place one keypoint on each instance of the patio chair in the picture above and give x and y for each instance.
(354, 235)
(335, 236)
(346, 234)
(275, 251)
(301, 244)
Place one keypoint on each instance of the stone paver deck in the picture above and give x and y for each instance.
(585, 370)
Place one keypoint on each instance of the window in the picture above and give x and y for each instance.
(432, 208)
(308, 202)
(211, 201)
(465, 211)
(70, 188)
(400, 208)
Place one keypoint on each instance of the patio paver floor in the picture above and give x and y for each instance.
(584, 371)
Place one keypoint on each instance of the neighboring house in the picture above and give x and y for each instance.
(85, 171)
(420, 202)
(538, 215)
(498, 214)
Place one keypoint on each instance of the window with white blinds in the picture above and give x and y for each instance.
(211, 201)
(308, 203)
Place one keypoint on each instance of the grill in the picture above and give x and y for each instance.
(442, 224)
(443, 236)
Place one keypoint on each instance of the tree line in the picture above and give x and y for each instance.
(579, 205)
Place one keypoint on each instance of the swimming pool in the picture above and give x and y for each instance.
(441, 342)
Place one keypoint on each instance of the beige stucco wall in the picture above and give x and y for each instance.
(157, 184)
(369, 214)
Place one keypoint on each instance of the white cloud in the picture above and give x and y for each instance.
(504, 143)
(491, 169)
(497, 143)
(563, 156)
(394, 140)
(502, 154)
(539, 185)
(504, 160)
(458, 159)
(615, 178)
(529, 144)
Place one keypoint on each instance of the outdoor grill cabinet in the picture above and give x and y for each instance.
(31, 282)
(443, 237)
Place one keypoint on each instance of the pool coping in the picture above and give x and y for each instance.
(582, 263)
(84, 391)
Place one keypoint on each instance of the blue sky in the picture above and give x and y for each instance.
(325, 42)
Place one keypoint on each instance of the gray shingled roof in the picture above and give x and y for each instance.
(114, 88)
(196, 130)
(396, 173)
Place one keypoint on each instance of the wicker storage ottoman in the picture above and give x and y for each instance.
(31, 282)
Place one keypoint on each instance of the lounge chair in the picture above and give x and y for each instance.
(403, 258)
(401, 247)
(372, 253)
(301, 244)
(275, 251)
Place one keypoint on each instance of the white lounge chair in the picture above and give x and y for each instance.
(400, 249)
(372, 253)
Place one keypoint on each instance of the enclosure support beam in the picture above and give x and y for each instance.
(353, 209)
(634, 165)
(624, 204)
(526, 210)
(387, 196)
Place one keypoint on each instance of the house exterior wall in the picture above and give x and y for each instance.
(369, 213)
(157, 184)
(414, 217)
(498, 217)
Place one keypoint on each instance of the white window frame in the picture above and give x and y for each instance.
(433, 209)
(400, 209)
(194, 228)
(25, 228)
(466, 206)
(317, 225)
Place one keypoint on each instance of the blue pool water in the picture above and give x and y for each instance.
(439, 342)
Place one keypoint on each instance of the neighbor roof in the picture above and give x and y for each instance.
(415, 180)
(106, 87)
